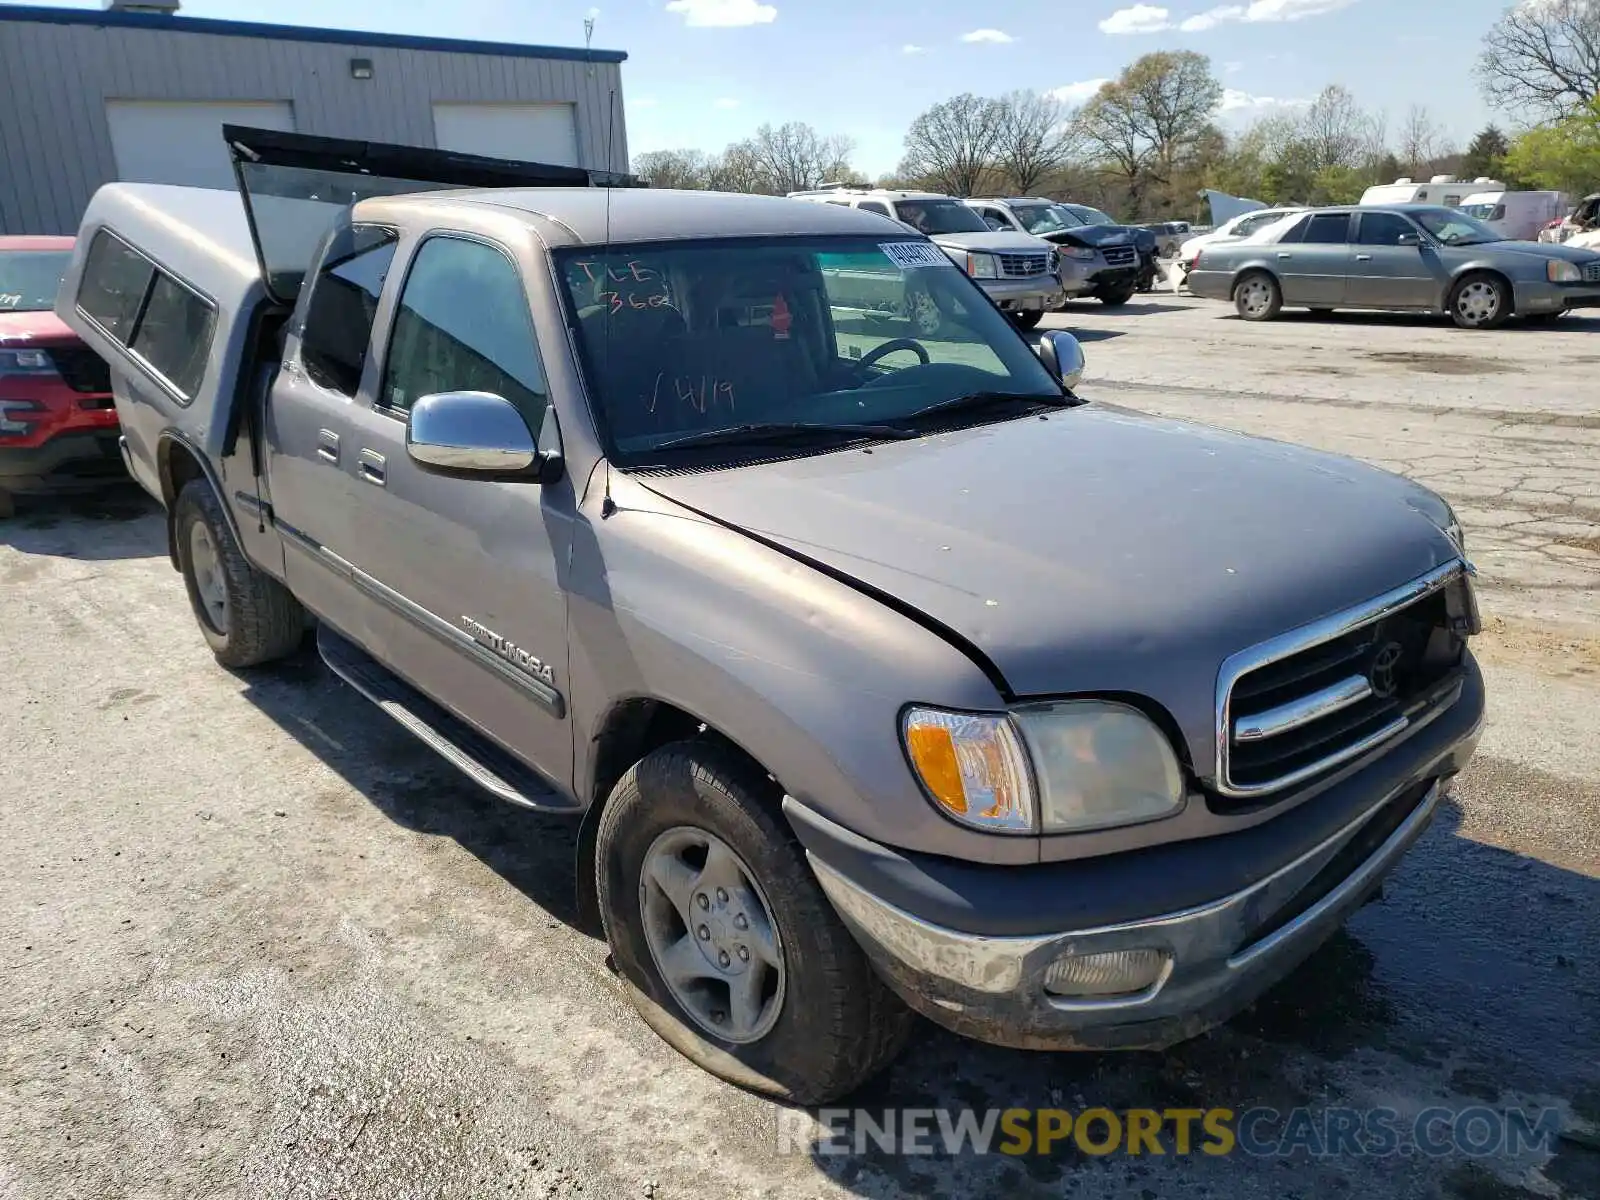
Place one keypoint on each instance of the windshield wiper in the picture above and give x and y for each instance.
(777, 431)
(985, 399)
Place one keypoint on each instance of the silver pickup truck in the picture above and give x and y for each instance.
(883, 672)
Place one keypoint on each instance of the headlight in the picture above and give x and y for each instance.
(1097, 764)
(26, 362)
(981, 266)
(974, 767)
(1559, 271)
(1082, 253)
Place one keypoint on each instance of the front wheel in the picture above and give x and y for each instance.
(1115, 297)
(1027, 318)
(1257, 297)
(728, 947)
(246, 616)
(1480, 301)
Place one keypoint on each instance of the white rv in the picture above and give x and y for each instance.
(1441, 189)
(1516, 215)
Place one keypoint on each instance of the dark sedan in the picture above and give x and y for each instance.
(1408, 256)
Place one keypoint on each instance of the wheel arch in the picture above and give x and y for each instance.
(178, 463)
(630, 729)
(1481, 268)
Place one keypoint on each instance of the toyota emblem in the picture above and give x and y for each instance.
(1382, 673)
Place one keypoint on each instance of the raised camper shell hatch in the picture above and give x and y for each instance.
(246, 252)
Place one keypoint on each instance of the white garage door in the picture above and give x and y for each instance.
(546, 133)
(169, 141)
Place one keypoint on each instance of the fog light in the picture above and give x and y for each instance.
(1112, 973)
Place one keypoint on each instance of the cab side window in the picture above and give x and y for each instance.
(344, 300)
(463, 325)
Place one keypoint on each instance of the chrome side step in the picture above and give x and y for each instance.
(475, 756)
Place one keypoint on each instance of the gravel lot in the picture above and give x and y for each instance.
(255, 942)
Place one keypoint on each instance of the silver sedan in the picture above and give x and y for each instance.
(1418, 257)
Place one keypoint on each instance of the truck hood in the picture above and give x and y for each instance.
(35, 327)
(1097, 551)
(1011, 243)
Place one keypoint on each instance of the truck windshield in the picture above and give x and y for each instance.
(29, 279)
(691, 337)
(1045, 218)
(939, 216)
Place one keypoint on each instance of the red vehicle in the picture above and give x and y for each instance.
(58, 427)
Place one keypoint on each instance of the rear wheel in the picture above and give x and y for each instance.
(1027, 318)
(728, 947)
(246, 616)
(1480, 301)
(1257, 297)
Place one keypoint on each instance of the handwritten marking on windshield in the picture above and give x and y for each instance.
(633, 270)
(10, 299)
(696, 393)
(617, 301)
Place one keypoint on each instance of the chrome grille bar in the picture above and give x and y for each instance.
(1303, 711)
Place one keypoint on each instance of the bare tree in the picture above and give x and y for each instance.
(1333, 128)
(674, 168)
(1146, 122)
(950, 146)
(1035, 139)
(1375, 138)
(795, 157)
(1543, 57)
(1421, 141)
(737, 170)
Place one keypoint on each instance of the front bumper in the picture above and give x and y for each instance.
(1539, 296)
(76, 460)
(1304, 877)
(1032, 292)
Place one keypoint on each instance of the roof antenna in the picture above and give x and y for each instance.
(608, 506)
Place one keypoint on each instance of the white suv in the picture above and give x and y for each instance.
(1020, 273)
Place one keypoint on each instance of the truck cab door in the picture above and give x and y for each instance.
(460, 578)
(310, 435)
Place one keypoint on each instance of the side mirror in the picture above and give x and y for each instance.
(1408, 239)
(475, 433)
(1062, 356)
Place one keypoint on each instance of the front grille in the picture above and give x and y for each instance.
(1326, 699)
(83, 369)
(1591, 272)
(1119, 256)
(1021, 266)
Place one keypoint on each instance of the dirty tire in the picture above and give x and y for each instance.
(1480, 301)
(1029, 318)
(838, 1025)
(1115, 297)
(8, 506)
(1257, 296)
(264, 621)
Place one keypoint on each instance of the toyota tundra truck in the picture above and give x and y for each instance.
(883, 672)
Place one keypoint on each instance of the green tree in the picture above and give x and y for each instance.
(1486, 154)
(1563, 155)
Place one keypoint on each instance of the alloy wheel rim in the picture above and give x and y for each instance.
(208, 580)
(711, 935)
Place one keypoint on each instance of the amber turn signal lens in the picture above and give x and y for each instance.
(934, 755)
(974, 767)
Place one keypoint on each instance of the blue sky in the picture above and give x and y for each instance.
(706, 72)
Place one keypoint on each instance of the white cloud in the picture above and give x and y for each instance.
(1212, 17)
(1141, 18)
(910, 48)
(1077, 93)
(723, 13)
(727, 102)
(1233, 68)
(993, 36)
(1150, 18)
(1233, 100)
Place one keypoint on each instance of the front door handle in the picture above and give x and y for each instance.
(328, 446)
(1363, 258)
(373, 467)
(1284, 254)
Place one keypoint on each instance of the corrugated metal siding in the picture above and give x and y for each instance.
(55, 147)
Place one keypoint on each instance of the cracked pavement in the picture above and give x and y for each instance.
(256, 942)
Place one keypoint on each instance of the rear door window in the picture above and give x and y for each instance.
(115, 279)
(343, 303)
(1324, 229)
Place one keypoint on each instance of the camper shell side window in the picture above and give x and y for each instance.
(159, 320)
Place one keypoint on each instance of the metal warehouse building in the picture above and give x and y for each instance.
(128, 93)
